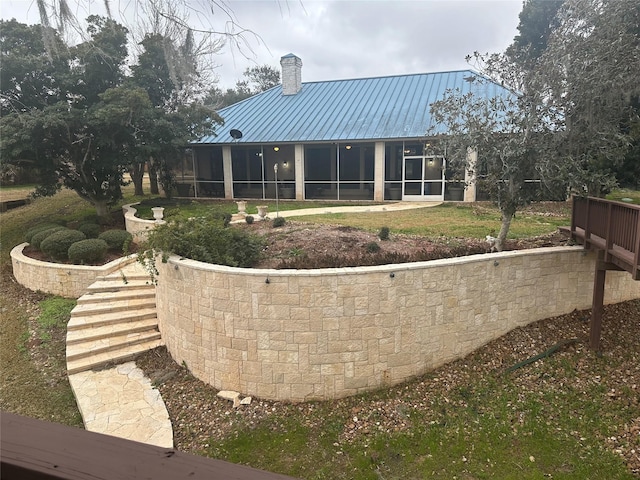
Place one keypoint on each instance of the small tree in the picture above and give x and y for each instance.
(503, 131)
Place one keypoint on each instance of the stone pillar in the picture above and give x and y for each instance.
(378, 175)
(299, 159)
(470, 175)
(227, 172)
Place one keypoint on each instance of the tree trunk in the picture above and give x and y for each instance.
(153, 179)
(504, 230)
(102, 209)
(137, 174)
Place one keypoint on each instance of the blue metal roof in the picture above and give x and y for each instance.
(380, 108)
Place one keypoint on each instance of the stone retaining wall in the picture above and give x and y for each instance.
(320, 334)
(137, 227)
(69, 281)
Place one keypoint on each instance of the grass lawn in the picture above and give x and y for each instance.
(485, 426)
(454, 220)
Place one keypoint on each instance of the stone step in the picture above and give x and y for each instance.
(113, 296)
(110, 318)
(106, 331)
(112, 357)
(111, 285)
(110, 306)
(91, 348)
(126, 278)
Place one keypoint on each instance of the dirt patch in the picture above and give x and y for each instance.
(302, 245)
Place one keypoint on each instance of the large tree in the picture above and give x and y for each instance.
(570, 121)
(96, 121)
(588, 78)
(256, 80)
(69, 139)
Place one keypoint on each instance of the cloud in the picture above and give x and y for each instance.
(339, 39)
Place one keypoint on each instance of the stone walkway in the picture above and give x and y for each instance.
(387, 207)
(121, 401)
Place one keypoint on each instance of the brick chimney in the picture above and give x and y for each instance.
(291, 74)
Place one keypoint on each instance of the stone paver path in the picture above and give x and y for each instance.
(121, 401)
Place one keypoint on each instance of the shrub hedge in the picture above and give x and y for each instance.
(38, 228)
(38, 238)
(117, 240)
(206, 240)
(88, 251)
(91, 230)
(57, 244)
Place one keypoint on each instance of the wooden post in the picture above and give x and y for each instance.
(597, 302)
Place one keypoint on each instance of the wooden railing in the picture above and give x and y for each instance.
(611, 227)
(36, 450)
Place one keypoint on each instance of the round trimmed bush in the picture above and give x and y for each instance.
(117, 240)
(88, 251)
(249, 219)
(278, 222)
(57, 244)
(37, 239)
(91, 230)
(38, 228)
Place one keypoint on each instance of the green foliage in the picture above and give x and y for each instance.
(88, 251)
(38, 228)
(206, 240)
(373, 247)
(91, 230)
(57, 244)
(278, 222)
(383, 234)
(257, 79)
(226, 219)
(54, 314)
(117, 240)
(249, 219)
(37, 239)
(74, 114)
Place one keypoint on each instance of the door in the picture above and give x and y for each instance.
(423, 179)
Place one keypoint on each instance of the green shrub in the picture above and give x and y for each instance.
(38, 228)
(117, 240)
(373, 247)
(226, 219)
(278, 222)
(206, 241)
(249, 219)
(37, 239)
(383, 234)
(91, 230)
(88, 251)
(57, 244)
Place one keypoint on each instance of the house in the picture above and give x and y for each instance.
(358, 139)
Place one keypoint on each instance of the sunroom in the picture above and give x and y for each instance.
(359, 139)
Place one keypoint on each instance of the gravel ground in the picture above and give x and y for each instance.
(199, 417)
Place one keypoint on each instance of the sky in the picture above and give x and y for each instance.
(338, 39)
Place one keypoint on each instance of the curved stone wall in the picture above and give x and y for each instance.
(320, 334)
(137, 227)
(69, 281)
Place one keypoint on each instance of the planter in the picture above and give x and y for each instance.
(263, 210)
(242, 206)
(158, 213)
